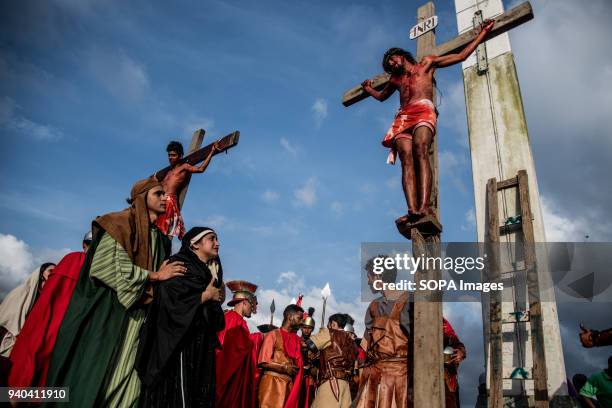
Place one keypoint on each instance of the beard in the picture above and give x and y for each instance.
(397, 70)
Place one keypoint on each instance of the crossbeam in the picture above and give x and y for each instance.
(503, 23)
(199, 155)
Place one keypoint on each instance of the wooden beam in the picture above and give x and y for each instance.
(196, 143)
(199, 155)
(533, 291)
(504, 22)
(496, 393)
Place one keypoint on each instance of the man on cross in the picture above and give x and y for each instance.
(171, 222)
(414, 126)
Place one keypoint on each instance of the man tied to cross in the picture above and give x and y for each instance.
(171, 222)
(414, 126)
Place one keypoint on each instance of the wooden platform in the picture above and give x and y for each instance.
(427, 226)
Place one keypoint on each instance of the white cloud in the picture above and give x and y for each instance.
(10, 119)
(270, 196)
(307, 194)
(15, 258)
(337, 207)
(288, 146)
(559, 228)
(122, 76)
(319, 109)
(312, 298)
(17, 261)
(470, 220)
(217, 221)
(393, 183)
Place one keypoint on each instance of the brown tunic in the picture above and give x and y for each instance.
(274, 388)
(384, 379)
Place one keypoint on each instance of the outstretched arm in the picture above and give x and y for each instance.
(451, 59)
(202, 167)
(382, 95)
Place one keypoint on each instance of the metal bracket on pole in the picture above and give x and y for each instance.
(482, 64)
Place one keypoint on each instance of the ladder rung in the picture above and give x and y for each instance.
(511, 182)
(509, 229)
(511, 317)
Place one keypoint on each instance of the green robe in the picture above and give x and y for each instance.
(97, 341)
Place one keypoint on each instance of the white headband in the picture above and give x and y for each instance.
(200, 235)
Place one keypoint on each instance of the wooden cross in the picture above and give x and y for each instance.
(197, 154)
(427, 372)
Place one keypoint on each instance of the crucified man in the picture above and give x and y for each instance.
(171, 222)
(414, 127)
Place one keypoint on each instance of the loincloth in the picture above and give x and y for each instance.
(171, 222)
(407, 120)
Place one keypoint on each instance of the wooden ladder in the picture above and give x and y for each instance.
(520, 224)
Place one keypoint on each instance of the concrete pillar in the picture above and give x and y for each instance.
(499, 146)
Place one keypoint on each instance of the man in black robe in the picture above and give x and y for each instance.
(176, 355)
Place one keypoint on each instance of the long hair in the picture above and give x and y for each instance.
(396, 51)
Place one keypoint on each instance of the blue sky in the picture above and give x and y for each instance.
(92, 91)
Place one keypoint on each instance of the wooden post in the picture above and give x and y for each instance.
(496, 394)
(428, 366)
(196, 142)
(533, 293)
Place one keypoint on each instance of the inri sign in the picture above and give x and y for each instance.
(423, 27)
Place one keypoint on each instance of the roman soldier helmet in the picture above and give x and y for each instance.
(308, 320)
(242, 290)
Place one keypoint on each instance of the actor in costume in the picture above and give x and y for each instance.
(176, 355)
(336, 363)
(32, 352)
(16, 306)
(171, 222)
(310, 361)
(237, 372)
(385, 377)
(414, 127)
(451, 389)
(14, 311)
(96, 345)
(281, 361)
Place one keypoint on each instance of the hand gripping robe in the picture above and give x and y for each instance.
(96, 345)
(237, 371)
(31, 354)
(278, 390)
(337, 360)
(384, 381)
(176, 355)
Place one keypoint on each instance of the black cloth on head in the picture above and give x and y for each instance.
(178, 340)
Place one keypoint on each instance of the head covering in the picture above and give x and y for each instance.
(194, 235)
(308, 320)
(130, 227)
(349, 328)
(242, 290)
(88, 237)
(15, 308)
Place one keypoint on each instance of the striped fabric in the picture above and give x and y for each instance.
(112, 266)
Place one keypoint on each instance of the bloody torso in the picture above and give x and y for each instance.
(414, 84)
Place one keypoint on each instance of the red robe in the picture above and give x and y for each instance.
(237, 372)
(31, 353)
(450, 370)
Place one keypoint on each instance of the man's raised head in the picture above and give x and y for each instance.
(175, 152)
(293, 315)
(393, 60)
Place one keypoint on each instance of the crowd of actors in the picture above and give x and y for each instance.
(124, 323)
